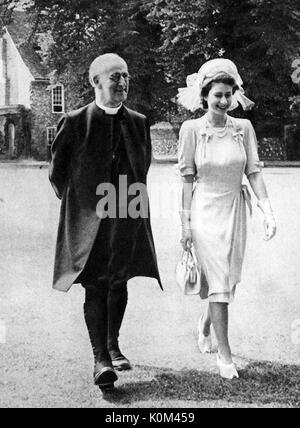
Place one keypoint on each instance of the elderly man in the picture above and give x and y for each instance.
(103, 145)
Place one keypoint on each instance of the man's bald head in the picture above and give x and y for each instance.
(110, 79)
(102, 63)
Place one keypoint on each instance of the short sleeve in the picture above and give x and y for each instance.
(253, 164)
(186, 150)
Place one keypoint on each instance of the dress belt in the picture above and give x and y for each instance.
(247, 197)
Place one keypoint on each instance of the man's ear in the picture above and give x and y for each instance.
(95, 80)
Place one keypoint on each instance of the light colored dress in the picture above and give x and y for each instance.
(218, 159)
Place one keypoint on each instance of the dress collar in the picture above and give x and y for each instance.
(208, 125)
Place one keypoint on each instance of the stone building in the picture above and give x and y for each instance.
(30, 106)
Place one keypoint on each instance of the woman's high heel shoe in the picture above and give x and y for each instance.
(204, 342)
(227, 371)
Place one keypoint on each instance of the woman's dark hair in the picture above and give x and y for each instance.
(222, 78)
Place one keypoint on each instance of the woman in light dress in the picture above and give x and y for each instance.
(215, 151)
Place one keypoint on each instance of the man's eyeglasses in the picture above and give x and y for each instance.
(116, 77)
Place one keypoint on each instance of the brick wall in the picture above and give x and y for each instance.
(272, 148)
(164, 139)
(165, 142)
(41, 118)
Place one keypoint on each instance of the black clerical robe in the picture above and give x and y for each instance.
(85, 153)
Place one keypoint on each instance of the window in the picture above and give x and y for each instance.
(51, 132)
(58, 102)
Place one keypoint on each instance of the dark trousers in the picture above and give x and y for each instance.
(104, 310)
(105, 281)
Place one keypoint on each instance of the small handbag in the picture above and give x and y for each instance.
(188, 276)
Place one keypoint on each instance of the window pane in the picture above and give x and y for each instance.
(58, 99)
(57, 108)
(57, 95)
(51, 132)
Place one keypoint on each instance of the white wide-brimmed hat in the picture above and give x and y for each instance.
(190, 97)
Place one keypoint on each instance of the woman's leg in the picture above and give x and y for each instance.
(206, 321)
(219, 317)
(203, 330)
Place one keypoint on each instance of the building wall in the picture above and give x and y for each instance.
(41, 118)
(31, 101)
(17, 118)
(3, 70)
(15, 88)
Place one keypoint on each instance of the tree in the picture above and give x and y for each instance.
(186, 43)
(6, 9)
(260, 36)
(165, 40)
(81, 30)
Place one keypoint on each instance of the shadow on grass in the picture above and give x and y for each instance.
(260, 383)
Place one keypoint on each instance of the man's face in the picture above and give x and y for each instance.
(112, 84)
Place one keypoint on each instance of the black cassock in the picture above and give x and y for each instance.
(116, 236)
(90, 149)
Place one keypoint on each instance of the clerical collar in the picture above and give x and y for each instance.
(109, 110)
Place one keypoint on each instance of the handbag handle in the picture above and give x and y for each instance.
(189, 255)
(191, 265)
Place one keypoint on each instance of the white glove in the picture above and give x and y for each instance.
(269, 220)
(186, 233)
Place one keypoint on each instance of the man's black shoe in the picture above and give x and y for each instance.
(119, 361)
(104, 375)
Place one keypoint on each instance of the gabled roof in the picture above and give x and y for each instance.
(20, 30)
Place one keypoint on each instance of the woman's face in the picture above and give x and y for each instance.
(219, 98)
